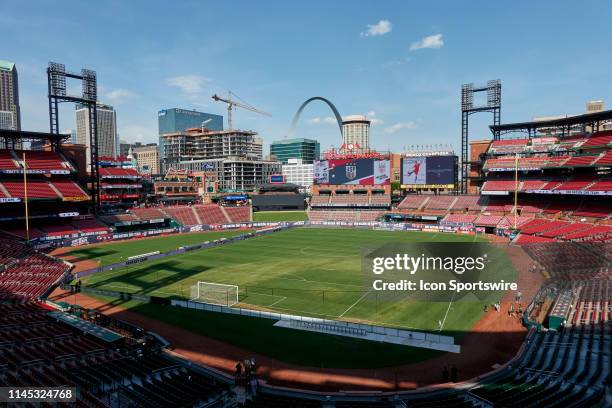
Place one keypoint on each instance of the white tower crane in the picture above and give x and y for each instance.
(230, 106)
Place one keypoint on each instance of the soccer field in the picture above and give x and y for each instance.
(304, 271)
(117, 251)
(277, 216)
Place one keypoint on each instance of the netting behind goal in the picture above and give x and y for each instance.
(215, 293)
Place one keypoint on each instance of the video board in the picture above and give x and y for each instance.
(365, 172)
(429, 171)
(276, 179)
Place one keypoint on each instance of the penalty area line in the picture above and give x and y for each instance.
(278, 301)
(355, 304)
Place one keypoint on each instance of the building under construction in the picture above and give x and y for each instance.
(235, 155)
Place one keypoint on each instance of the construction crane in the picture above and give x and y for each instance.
(230, 106)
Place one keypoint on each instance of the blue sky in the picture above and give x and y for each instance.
(401, 62)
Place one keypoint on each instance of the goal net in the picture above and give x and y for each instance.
(215, 293)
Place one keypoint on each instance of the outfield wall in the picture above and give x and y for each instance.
(97, 238)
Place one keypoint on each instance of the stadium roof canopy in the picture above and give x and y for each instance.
(565, 124)
(10, 137)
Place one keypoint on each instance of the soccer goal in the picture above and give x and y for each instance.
(215, 293)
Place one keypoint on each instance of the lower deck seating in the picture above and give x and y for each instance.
(345, 215)
(183, 214)
(89, 226)
(413, 202)
(39, 351)
(30, 276)
(147, 213)
(238, 214)
(210, 214)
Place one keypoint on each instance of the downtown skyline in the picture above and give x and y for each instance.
(401, 66)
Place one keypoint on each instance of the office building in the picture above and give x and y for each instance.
(299, 173)
(9, 97)
(147, 158)
(356, 133)
(595, 106)
(177, 120)
(7, 120)
(124, 147)
(108, 141)
(307, 150)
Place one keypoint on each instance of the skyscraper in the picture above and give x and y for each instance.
(356, 132)
(9, 97)
(177, 120)
(307, 150)
(108, 141)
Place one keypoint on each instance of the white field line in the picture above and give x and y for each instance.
(278, 301)
(447, 310)
(354, 304)
(316, 281)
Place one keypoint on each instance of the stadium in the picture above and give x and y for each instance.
(413, 279)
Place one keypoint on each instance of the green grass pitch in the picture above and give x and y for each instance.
(305, 271)
(277, 216)
(117, 251)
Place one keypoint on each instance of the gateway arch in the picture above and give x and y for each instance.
(296, 118)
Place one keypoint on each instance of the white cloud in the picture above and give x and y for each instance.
(119, 94)
(432, 41)
(322, 120)
(373, 119)
(381, 28)
(189, 84)
(400, 126)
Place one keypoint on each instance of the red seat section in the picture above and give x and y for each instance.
(44, 160)
(148, 213)
(70, 190)
(598, 140)
(580, 161)
(118, 172)
(31, 275)
(239, 214)
(89, 226)
(210, 214)
(413, 202)
(6, 161)
(183, 214)
(35, 189)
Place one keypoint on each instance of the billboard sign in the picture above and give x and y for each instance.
(276, 179)
(362, 171)
(429, 171)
